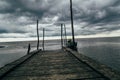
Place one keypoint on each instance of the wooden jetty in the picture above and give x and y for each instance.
(64, 64)
(57, 65)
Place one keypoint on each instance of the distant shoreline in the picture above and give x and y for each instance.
(33, 39)
(2, 46)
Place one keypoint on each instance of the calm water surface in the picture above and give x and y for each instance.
(11, 51)
(104, 50)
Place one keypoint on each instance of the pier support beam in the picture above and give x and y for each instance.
(43, 39)
(29, 48)
(37, 35)
(65, 35)
(61, 35)
(74, 45)
(72, 23)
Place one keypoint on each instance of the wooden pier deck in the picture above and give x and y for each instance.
(53, 65)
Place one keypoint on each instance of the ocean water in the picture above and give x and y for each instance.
(104, 50)
(11, 51)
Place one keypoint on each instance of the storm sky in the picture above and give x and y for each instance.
(91, 17)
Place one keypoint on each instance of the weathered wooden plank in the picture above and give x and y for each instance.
(10, 67)
(54, 65)
(101, 68)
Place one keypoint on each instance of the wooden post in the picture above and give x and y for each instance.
(61, 35)
(65, 34)
(43, 39)
(29, 48)
(74, 46)
(72, 24)
(37, 35)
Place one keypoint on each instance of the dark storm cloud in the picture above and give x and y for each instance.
(103, 17)
(19, 8)
(3, 31)
(90, 16)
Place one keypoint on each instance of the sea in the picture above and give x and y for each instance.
(104, 50)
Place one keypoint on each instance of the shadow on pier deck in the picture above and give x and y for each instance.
(52, 65)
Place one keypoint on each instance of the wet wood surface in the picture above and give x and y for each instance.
(53, 65)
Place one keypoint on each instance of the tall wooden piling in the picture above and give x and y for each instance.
(65, 34)
(74, 46)
(72, 23)
(61, 35)
(37, 35)
(43, 39)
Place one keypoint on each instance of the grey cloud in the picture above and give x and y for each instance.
(96, 14)
(3, 31)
